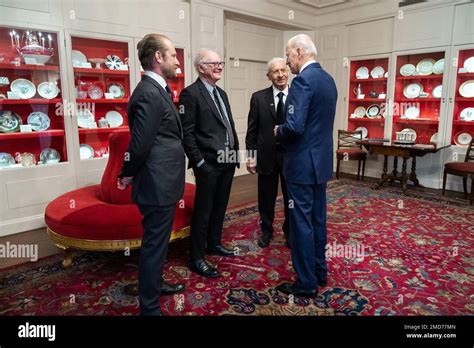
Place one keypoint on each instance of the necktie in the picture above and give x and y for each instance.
(280, 113)
(168, 90)
(224, 119)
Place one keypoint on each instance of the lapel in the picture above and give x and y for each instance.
(209, 101)
(270, 101)
(168, 99)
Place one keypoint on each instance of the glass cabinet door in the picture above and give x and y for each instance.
(31, 113)
(367, 97)
(417, 99)
(102, 90)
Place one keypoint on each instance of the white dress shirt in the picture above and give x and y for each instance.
(275, 95)
(306, 64)
(158, 78)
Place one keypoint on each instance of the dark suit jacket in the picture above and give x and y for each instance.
(307, 133)
(260, 137)
(156, 155)
(204, 130)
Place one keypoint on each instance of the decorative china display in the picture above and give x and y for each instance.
(462, 138)
(97, 62)
(377, 72)
(33, 50)
(114, 118)
(48, 90)
(85, 118)
(6, 160)
(364, 130)
(86, 151)
(359, 112)
(425, 66)
(413, 90)
(438, 67)
(49, 156)
(10, 121)
(95, 92)
(437, 91)
(410, 134)
(373, 111)
(407, 70)
(113, 62)
(116, 89)
(26, 159)
(434, 138)
(469, 64)
(4, 81)
(38, 121)
(78, 58)
(411, 113)
(466, 90)
(24, 87)
(362, 73)
(467, 114)
(103, 123)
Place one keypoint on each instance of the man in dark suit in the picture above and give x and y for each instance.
(211, 144)
(155, 165)
(267, 111)
(308, 163)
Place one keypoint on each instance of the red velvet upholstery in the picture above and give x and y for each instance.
(103, 212)
(467, 167)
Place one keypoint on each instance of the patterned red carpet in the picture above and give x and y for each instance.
(417, 259)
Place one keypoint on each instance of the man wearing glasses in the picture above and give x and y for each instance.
(209, 132)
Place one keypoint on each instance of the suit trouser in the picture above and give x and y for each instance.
(210, 204)
(267, 194)
(157, 224)
(308, 233)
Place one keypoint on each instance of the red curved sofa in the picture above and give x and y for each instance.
(102, 217)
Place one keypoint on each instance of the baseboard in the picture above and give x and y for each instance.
(24, 224)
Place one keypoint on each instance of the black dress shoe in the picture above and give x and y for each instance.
(264, 240)
(322, 282)
(220, 250)
(291, 289)
(169, 289)
(204, 269)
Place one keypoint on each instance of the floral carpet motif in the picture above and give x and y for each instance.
(417, 259)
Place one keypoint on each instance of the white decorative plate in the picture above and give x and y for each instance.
(467, 114)
(6, 160)
(407, 70)
(38, 121)
(84, 118)
(434, 138)
(48, 90)
(438, 67)
(113, 62)
(364, 130)
(437, 91)
(413, 90)
(410, 131)
(95, 92)
(377, 72)
(467, 89)
(360, 111)
(10, 121)
(373, 111)
(49, 155)
(362, 73)
(86, 151)
(114, 118)
(412, 112)
(462, 139)
(425, 66)
(78, 58)
(24, 87)
(469, 64)
(116, 89)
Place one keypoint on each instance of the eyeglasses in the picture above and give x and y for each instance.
(215, 64)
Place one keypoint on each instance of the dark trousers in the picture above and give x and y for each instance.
(210, 204)
(267, 194)
(157, 224)
(308, 233)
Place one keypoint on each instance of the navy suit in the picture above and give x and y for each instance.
(308, 165)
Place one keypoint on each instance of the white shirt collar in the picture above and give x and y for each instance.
(306, 64)
(276, 91)
(161, 81)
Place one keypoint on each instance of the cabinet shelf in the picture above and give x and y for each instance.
(100, 130)
(421, 77)
(379, 79)
(407, 121)
(366, 119)
(466, 74)
(29, 101)
(93, 71)
(464, 123)
(29, 135)
(102, 101)
(463, 99)
(418, 100)
(27, 67)
(371, 100)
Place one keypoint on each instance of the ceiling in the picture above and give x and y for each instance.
(320, 7)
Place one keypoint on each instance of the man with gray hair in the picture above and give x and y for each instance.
(267, 111)
(308, 163)
(210, 140)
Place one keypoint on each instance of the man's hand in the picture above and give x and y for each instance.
(275, 130)
(122, 183)
(251, 167)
